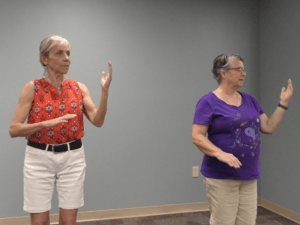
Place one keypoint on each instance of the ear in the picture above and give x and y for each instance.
(223, 74)
(44, 59)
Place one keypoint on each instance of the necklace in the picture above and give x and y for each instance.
(237, 102)
(51, 82)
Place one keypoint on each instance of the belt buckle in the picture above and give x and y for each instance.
(57, 148)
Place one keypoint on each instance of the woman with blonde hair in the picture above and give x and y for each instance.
(55, 156)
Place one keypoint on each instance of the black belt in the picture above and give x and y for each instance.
(56, 148)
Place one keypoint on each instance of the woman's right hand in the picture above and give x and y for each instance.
(58, 120)
(208, 148)
(230, 159)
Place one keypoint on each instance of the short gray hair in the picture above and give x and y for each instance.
(47, 44)
(223, 63)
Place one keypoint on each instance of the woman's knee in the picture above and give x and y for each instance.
(40, 218)
(67, 216)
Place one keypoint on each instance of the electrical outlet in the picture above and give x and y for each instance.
(195, 171)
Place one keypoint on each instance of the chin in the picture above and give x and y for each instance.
(65, 72)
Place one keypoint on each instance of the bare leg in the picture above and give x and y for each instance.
(40, 218)
(67, 216)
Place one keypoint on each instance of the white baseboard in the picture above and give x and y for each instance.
(152, 211)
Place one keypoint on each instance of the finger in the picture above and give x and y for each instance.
(103, 75)
(109, 76)
(109, 68)
(283, 90)
(236, 166)
(233, 163)
(239, 162)
(290, 85)
(70, 116)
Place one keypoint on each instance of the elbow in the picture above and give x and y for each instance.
(194, 140)
(98, 124)
(269, 132)
(12, 133)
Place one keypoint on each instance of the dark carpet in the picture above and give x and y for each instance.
(264, 217)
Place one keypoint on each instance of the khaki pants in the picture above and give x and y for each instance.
(231, 202)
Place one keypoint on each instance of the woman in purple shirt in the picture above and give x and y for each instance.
(232, 121)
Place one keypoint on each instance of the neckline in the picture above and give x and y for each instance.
(229, 104)
(52, 84)
(55, 87)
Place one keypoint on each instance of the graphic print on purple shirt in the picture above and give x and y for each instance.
(234, 130)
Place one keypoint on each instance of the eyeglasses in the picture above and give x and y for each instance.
(239, 69)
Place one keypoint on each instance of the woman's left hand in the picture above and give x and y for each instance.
(286, 94)
(105, 81)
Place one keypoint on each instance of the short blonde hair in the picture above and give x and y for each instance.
(48, 43)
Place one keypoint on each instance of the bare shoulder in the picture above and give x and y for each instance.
(25, 102)
(84, 89)
(27, 93)
(29, 84)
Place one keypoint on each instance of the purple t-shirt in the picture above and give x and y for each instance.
(235, 130)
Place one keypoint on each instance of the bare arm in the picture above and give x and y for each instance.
(97, 115)
(208, 148)
(17, 126)
(269, 125)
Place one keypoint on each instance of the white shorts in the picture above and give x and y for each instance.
(44, 170)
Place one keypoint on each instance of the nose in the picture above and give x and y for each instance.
(67, 57)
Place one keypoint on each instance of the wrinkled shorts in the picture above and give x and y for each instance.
(45, 170)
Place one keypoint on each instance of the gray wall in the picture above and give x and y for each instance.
(279, 60)
(162, 54)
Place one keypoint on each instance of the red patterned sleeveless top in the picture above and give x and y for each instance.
(49, 104)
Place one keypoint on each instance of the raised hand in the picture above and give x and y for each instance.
(58, 120)
(105, 81)
(286, 94)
